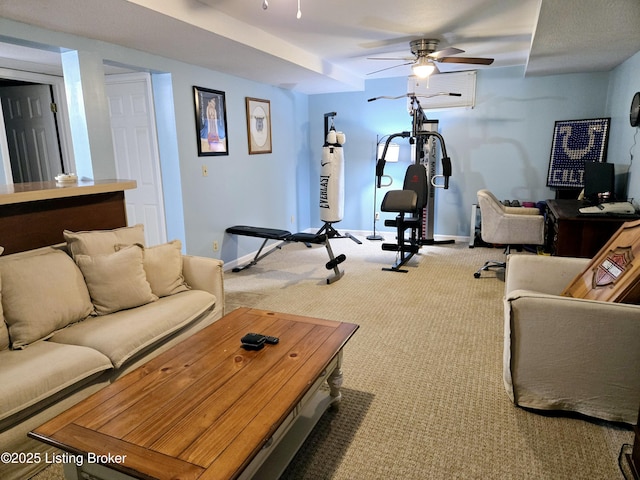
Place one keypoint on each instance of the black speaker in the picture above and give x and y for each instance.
(599, 182)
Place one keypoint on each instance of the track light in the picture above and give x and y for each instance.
(265, 5)
(423, 67)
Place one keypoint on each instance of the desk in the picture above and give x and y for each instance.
(572, 234)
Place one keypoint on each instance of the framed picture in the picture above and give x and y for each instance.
(258, 125)
(211, 122)
(574, 143)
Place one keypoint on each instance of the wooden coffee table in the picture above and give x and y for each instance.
(207, 408)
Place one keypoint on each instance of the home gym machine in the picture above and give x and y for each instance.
(415, 203)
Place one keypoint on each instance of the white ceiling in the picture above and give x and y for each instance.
(327, 49)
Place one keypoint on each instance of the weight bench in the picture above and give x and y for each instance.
(286, 236)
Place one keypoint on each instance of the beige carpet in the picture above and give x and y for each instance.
(423, 395)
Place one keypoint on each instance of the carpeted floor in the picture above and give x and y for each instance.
(422, 395)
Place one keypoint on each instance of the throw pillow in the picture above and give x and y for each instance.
(96, 242)
(163, 266)
(42, 294)
(116, 281)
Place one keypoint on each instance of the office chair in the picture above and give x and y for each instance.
(508, 226)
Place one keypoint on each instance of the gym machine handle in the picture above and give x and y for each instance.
(381, 161)
(446, 171)
(446, 161)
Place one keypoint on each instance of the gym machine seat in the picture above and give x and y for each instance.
(408, 203)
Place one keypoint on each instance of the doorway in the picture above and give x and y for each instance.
(31, 127)
(35, 146)
(135, 146)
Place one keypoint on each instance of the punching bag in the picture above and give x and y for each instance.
(332, 178)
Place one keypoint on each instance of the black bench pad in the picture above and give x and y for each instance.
(276, 234)
(269, 233)
(307, 238)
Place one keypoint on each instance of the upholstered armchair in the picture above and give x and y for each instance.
(507, 226)
(563, 353)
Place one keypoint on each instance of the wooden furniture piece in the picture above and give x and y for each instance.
(633, 458)
(572, 234)
(207, 408)
(33, 215)
(613, 275)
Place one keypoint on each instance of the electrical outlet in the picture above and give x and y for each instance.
(293, 219)
(377, 216)
(215, 246)
(205, 171)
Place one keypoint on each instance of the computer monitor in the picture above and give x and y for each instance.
(599, 182)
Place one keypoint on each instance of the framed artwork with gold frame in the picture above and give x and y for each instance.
(258, 125)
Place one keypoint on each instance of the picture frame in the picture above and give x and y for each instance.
(211, 121)
(574, 143)
(258, 125)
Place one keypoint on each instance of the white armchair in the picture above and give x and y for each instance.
(563, 353)
(507, 226)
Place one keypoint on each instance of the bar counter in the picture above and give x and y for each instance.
(35, 214)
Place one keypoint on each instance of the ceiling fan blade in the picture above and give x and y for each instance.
(472, 60)
(397, 59)
(445, 52)
(389, 68)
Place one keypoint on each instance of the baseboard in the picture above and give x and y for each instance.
(391, 234)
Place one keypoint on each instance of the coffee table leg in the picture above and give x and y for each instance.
(335, 383)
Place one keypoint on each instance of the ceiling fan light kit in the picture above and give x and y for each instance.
(423, 67)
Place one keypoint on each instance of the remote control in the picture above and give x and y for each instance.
(253, 341)
(259, 338)
(253, 346)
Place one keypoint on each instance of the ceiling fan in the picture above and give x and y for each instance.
(425, 54)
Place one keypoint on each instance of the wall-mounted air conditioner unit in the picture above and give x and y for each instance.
(430, 91)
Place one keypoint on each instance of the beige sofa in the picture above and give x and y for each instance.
(77, 316)
(564, 353)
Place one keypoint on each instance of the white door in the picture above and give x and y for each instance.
(135, 145)
(32, 134)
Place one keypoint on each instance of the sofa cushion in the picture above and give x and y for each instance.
(121, 335)
(117, 280)
(4, 333)
(41, 294)
(163, 266)
(34, 374)
(102, 241)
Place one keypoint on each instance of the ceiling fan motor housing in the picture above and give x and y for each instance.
(423, 46)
